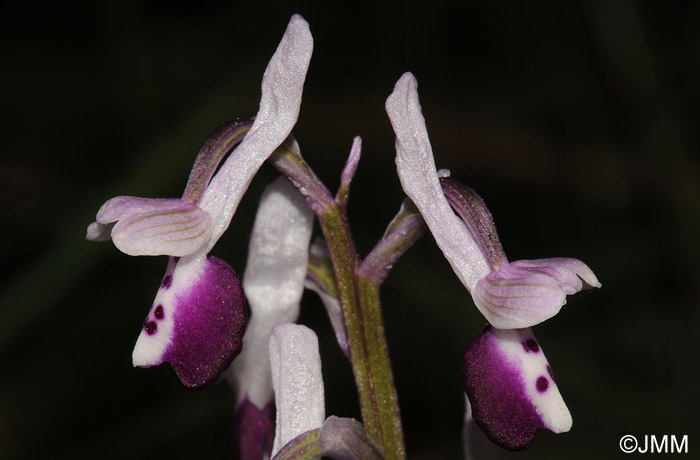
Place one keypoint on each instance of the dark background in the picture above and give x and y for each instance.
(576, 121)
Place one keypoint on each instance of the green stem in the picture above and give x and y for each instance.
(366, 341)
(359, 299)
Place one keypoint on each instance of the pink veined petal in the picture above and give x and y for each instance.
(511, 389)
(122, 206)
(282, 87)
(419, 179)
(177, 230)
(526, 292)
(196, 322)
(513, 298)
(273, 282)
(298, 383)
(568, 272)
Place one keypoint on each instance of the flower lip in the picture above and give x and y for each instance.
(510, 387)
(197, 321)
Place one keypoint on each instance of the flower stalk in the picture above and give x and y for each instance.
(359, 299)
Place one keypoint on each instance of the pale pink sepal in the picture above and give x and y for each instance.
(121, 206)
(420, 181)
(298, 383)
(279, 108)
(151, 226)
(570, 273)
(526, 292)
(273, 283)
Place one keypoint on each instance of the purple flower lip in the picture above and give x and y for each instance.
(197, 323)
(510, 387)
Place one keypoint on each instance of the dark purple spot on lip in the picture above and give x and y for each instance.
(531, 345)
(159, 312)
(542, 384)
(151, 327)
(167, 281)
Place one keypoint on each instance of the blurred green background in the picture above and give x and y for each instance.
(576, 121)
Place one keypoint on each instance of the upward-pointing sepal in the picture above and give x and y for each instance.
(196, 322)
(511, 389)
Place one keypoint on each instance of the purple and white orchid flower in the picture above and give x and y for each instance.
(507, 378)
(510, 295)
(198, 317)
(273, 282)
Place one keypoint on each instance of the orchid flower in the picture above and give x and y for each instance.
(273, 282)
(510, 295)
(198, 317)
(507, 378)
